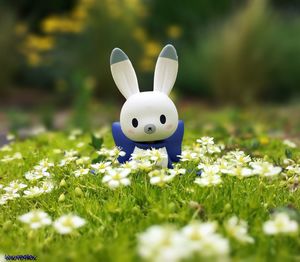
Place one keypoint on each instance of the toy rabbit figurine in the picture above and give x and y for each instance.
(148, 119)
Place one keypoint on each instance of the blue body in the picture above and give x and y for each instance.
(172, 144)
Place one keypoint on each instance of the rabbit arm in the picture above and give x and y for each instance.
(173, 143)
(122, 142)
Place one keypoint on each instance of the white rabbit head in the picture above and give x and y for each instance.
(147, 116)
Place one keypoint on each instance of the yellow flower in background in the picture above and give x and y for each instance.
(79, 13)
(152, 49)
(135, 6)
(264, 140)
(55, 24)
(33, 59)
(174, 31)
(41, 43)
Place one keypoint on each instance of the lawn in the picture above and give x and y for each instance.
(250, 172)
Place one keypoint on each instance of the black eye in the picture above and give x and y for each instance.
(163, 119)
(134, 122)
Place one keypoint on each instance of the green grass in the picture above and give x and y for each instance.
(115, 217)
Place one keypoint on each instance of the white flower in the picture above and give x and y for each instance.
(205, 141)
(199, 231)
(116, 177)
(265, 168)
(293, 169)
(215, 246)
(139, 155)
(1, 186)
(161, 244)
(210, 180)
(33, 175)
(101, 167)
(160, 177)
(111, 153)
(67, 223)
(225, 166)
(57, 151)
(14, 186)
(36, 219)
(67, 160)
(144, 165)
(157, 155)
(82, 160)
(132, 165)
(177, 171)
(36, 174)
(33, 191)
(204, 240)
(240, 171)
(238, 157)
(188, 155)
(3, 199)
(10, 195)
(238, 229)
(209, 170)
(289, 143)
(10, 137)
(280, 224)
(81, 171)
(45, 164)
(6, 148)
(80, 144)
(47, 186)
(15, 156)
(71, 153)
(76, 132)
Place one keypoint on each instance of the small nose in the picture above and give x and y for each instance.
(149, 129)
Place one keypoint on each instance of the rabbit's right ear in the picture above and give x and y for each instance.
(123, 73)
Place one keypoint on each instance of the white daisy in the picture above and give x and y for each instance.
(280, 224)
(160, 177)
(14, 186)
(238, 229)
(210, 180)
(81, 171)
(47, 186)
(33, 191)
(116, 177)
(265, 169)
(162, 243)
(101, 167)
(66, 224)
(36, 219)
(10, 195)
(188, 156)
(289, 143)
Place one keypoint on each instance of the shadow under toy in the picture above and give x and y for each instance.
(148, 119)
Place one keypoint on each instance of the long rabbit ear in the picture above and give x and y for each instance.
(166, 70)
(123, 73)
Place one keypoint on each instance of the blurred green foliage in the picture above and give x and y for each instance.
(253, 57)
(230, 51)
(8, 56)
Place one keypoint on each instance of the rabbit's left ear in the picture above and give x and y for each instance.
(166, 70)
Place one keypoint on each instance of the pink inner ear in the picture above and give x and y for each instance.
(169, 126)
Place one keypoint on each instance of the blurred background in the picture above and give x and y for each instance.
(54, 57)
